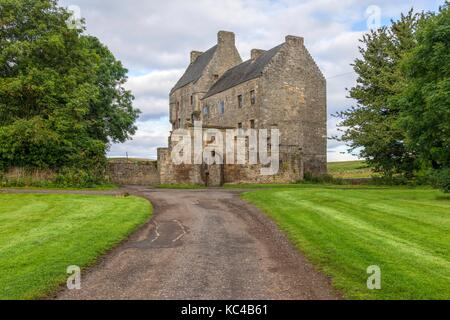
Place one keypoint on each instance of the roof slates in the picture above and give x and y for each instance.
(243, 72)
(195, 69)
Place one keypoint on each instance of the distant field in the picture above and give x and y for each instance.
(350, 170)
(406, 232)
(41, 235)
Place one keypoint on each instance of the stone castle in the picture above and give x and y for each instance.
(280, 88)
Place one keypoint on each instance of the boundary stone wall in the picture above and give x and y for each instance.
(133, 172)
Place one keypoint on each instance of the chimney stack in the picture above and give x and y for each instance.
(195, 55)
(256, 53)
(294, 41)
(226, 38)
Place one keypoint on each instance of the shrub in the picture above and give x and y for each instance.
(392, 180)
(64, 178)
(440, 179)
(325, 178)
(79, 178)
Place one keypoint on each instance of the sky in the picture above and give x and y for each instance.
(154, 38)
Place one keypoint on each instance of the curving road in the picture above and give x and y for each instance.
(203, 244)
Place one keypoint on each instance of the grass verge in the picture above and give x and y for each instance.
(41, 235)
(406, 232)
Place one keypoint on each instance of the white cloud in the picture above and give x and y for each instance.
(150, 136)
(152, 90)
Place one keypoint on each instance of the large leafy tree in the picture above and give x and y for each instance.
(424, 100)
(370, 127)
(62, 100)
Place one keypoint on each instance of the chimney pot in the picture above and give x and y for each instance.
(226, 38)
(294, 41)
(256, 53)
(195, 55)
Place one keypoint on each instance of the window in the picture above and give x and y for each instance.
(216, 77)
(192, 100)
(240, 125)
(240, 101)
(221, 107)
(252, 97)
(205, 110)
(252, 124)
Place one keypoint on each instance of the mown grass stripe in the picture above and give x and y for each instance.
(344, 231)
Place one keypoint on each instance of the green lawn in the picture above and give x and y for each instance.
(349, 170)
(41, 235)
(406, 232)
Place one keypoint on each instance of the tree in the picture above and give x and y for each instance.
(62, 100)
(424, 99)
(371, 126)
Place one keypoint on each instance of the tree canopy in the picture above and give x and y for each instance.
(62, 96)
(424, 98)
(371, 125)
(401, 123)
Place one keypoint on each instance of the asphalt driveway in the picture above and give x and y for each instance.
(203, 244)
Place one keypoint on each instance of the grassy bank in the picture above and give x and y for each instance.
(41, 235)
(350, 170)
(406, 232)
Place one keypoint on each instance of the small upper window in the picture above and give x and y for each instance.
(205, 110)
(240, 101)
(216, 77)
(252, 124)
(240, 125)
(221, 107)
(192, 100)
(252, 97)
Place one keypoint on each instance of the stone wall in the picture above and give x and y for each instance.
(295, 99)
(291, 97)
(133, 172)
(234, 114)
(177, 174)
(17, 175)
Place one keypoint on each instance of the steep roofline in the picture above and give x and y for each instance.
(251, 69)
(195, 69)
